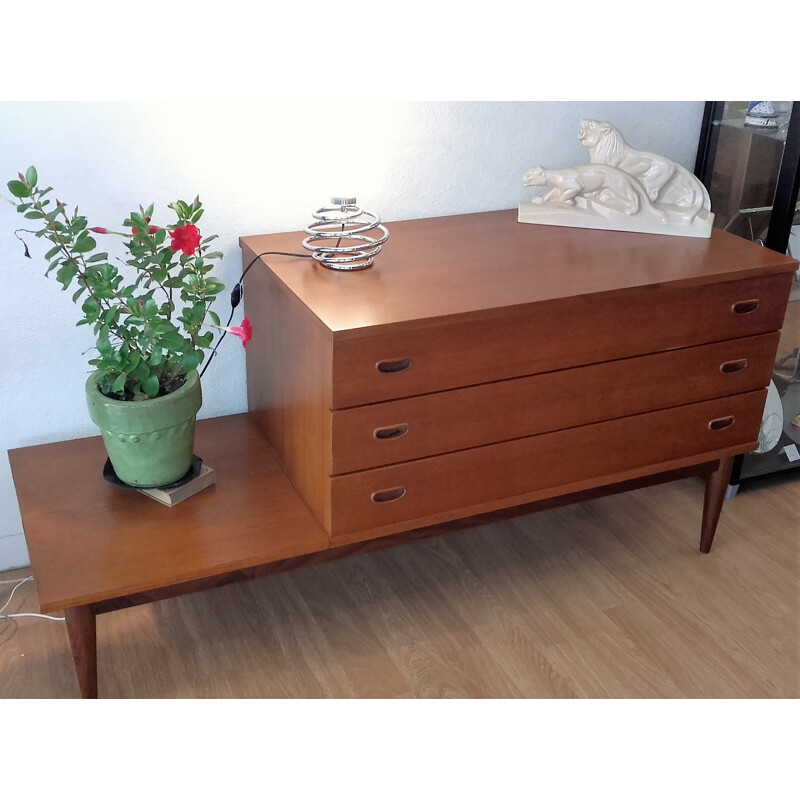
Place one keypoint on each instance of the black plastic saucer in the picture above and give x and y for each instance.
(194, 471)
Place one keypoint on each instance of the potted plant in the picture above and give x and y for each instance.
(152, 320)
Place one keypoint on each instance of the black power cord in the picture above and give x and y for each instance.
(236, 296)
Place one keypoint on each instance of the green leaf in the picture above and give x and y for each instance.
(107, 272)
(141, 370)
(103, 344)
(136, 220)
(131, 360)
(91, 308)
(150, 309)
(84, 244)
(190, 361)
(77, 224)
(31, 176)
(111, 315)
(34, 215)
(18, 189)
(173, 341)
(119, 383)
(66, 273)
(150, 385)
(162, 326)
(214, 286)
(196, 313)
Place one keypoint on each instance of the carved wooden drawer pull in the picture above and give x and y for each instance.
(388, 367)
(745, 306)
(388, 495)
(721, 423)
(729, 367)
(391, 432)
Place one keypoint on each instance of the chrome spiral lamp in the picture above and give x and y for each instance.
(338, 237)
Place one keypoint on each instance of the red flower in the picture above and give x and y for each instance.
(98, 230)
(243, 331)
(185, 238)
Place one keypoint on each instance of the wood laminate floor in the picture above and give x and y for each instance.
(605, 599)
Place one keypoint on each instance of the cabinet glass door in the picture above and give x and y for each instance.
(749, 160)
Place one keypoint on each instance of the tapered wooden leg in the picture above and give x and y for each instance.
(82, 632)
(716, 484)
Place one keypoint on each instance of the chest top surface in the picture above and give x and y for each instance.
(449, 266)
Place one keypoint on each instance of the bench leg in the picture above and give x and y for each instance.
(82, 632)
(716, 485)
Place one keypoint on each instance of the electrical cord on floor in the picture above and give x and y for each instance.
(4, 616)
(236, 296)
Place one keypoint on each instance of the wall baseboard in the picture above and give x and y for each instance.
(13, 552)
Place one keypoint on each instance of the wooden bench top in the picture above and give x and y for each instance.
(91, 541)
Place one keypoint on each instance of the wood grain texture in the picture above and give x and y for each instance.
(716, 485)
(608, 598)
(340, 551)
(567, 332)
(523, 470)
(95, 547)
(452, 260)
(289, 367)
(91, 541)
(498, 411)
(494, 357)
(82, 632)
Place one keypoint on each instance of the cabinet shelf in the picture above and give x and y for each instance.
(752, 176)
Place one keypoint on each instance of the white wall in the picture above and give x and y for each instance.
(258, 168)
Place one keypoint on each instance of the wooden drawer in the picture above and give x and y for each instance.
(550, 336)
(417, 427)
(513, 472)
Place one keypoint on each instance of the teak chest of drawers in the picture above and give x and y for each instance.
(482, 364)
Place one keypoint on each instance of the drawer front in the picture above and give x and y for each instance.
(418, 427)
(552, 336)
(509, 473)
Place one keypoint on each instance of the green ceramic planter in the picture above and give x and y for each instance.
(149, 442)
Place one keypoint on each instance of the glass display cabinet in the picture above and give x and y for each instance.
(749, 160)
